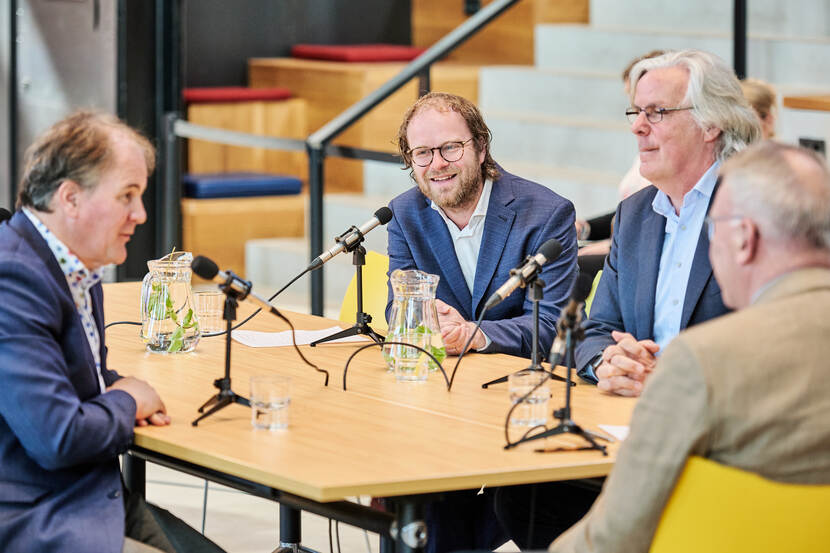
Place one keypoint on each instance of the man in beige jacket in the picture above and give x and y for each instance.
(748, 389)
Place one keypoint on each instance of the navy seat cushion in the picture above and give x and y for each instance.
(238, 185)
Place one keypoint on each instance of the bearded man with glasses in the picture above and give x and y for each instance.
(470, 222)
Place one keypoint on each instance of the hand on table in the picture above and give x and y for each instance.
(149, 408)
(626, 364)
(455, 331)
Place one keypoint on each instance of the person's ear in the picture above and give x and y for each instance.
(711, 134)
(746, 239)
(68, 197)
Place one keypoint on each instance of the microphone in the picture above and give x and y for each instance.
(520, 276)
(352, 236)
(229, 282)
(5, 214)
(570, 315)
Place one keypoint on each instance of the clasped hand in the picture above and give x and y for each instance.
(455, 331)
(626, 364)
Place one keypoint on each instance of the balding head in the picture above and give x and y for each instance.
(771, 216)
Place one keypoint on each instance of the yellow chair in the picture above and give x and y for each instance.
(374, 293)
(590, 299)
(716, 508)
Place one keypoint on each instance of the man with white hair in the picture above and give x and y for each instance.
(748, 390)
(688, 114)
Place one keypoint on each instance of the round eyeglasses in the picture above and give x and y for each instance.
(450, 151)
(653, 114)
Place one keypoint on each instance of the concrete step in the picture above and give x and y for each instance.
(592, 192)
(587, 95)
(795, 18)
(341, 211)
(385, 180)
(562, 142)
(795, 61)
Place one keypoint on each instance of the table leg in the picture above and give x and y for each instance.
(290, 530)
(135, 473)
(412, 530)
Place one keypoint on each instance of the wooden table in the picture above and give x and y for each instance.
(379, 438)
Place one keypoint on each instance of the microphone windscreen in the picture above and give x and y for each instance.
(582, 287)
(384, 215)
(5, 214)
(550, 250)
(204, 267)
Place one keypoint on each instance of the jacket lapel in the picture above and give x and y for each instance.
(700, 273)
(497, 227)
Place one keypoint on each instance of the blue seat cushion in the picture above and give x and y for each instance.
(238, 185)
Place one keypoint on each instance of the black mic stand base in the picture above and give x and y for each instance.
(567, 427)
(225, 397)
(363, 330)
(503, 379)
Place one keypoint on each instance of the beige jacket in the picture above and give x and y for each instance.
(750, 389)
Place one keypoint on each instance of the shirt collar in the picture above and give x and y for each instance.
(72, 267)
(705, 187)
(481, 207)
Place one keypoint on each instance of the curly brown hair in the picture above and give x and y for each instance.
(444, 101)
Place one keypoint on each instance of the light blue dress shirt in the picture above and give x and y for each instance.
(679, 245)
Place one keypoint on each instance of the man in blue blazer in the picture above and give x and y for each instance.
(470, 222)
(688, 113)
(64, 416)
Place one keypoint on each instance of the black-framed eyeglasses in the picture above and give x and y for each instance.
(653, 114)
(710, 222)
(450, 151)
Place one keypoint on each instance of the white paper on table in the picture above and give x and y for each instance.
(256, 339)
(619, 432)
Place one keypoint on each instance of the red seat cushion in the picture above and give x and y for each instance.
(216, 94)
(356, 52)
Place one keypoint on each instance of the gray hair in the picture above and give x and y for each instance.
(77, 148)
(716, 95)
(784, 189)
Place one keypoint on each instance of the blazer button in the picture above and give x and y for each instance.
(115, 494)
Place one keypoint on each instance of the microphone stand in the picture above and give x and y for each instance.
(535, 291)
(573, 332)
(362, 320)
(226, 396)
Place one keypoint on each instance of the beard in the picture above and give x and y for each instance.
(466, 193)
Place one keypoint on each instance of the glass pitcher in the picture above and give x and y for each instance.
(413, 320)
(168, 320)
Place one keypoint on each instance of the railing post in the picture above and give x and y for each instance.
(316, 157)
(169, 229)
(739, 38)
(424, 85)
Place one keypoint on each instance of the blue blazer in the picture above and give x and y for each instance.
(624, 298)
(521, 216)
(60, 483)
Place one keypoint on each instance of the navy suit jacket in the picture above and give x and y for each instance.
(60, 483)
(624, 299)
(521, 216)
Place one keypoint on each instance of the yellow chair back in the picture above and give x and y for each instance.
(374, 292)
(716, 508)
(590, 299)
